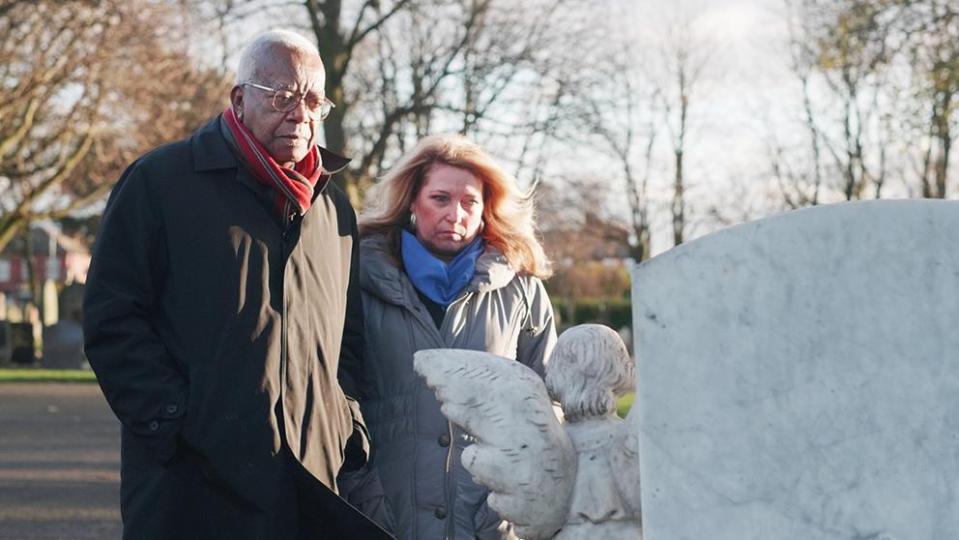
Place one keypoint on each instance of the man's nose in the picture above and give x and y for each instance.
(299, 113)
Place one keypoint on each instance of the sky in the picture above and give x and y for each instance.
(737, 102)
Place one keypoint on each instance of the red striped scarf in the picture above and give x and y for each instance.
(293, 187)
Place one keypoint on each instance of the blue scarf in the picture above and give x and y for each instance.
(441, 282)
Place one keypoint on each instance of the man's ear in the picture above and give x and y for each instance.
(236, 100)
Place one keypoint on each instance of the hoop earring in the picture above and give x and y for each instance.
(412, 221)
(481, 227)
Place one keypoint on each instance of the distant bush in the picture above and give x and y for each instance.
(624, 404)
(591, 279)
(613, 312)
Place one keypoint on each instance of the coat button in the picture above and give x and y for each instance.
(440, 512)
(154, 425)
(443, 440)
(172, 408)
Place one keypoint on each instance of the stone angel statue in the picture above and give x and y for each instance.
(569, 480)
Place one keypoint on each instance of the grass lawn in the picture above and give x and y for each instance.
(622, 407)
(46, 375)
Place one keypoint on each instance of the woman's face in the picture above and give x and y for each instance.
(448, 210)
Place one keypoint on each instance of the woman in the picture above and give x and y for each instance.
(447, 260)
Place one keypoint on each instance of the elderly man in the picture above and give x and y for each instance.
(223, 318)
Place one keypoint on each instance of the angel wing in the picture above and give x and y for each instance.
(522, 453)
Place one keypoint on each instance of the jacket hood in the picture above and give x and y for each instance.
(382, 276)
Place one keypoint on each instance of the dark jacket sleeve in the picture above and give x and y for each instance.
(350, 373)
(134, 368)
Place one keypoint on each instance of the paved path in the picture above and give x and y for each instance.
(59, 463)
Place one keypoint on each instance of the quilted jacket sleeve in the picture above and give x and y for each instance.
(538, 334)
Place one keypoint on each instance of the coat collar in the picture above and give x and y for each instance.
(492, 272)
(211, 152)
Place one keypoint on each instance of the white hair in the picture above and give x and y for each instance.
(254, 53)
(588, 370)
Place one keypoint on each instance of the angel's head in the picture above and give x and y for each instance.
(588, 370)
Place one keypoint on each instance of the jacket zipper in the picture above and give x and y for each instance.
(450, 481)
(449, 487)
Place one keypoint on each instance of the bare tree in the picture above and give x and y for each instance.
(799, 187)
(458, 65)
(879, 80)
(634, 105)
(83, 80)
(851, 53)
(684, 57)
(620, 118)
(400, 69)
(933, 52)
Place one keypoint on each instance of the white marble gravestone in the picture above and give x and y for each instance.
(799, 378)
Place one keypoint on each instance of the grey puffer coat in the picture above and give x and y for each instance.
(416, 450)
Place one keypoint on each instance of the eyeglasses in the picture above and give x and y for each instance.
(317, 106)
